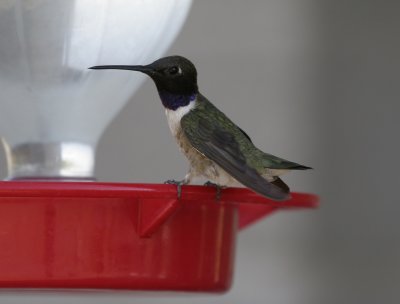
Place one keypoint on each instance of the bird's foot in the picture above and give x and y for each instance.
(217, 187)
(178, 186)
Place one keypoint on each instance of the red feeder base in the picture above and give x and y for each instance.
(124, 236)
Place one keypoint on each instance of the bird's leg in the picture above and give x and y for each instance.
(217, 187)
(179, 184)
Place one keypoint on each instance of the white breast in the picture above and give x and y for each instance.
(174, 117)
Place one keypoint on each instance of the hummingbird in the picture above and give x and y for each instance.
(216, 148)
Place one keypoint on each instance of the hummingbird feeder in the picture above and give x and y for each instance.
(58, 227)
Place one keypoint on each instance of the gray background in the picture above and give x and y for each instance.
(316, 82)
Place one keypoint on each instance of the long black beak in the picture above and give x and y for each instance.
(140, 68)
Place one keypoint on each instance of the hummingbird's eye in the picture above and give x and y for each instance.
(174, 70)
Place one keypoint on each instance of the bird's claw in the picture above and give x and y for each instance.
(217, 187)
(178, 186)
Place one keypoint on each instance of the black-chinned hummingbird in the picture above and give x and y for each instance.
(216, 148)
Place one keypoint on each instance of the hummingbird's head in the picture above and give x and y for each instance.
(173, 74)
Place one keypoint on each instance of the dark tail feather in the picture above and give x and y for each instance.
(300, 167)
(281, 185)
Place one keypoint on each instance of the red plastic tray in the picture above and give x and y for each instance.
(124, 236)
